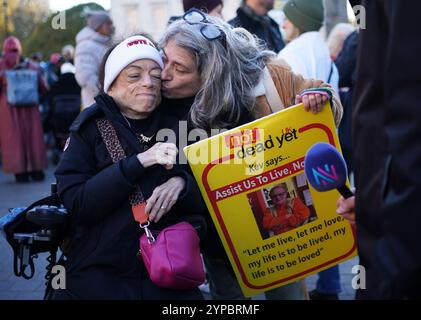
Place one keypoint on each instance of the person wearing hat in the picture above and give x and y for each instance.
(96, 187)
(91, 44)
(307, 54)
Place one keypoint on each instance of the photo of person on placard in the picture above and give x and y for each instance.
(285, 213)
(282, 207)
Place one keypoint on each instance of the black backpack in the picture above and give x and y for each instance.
(64, 110)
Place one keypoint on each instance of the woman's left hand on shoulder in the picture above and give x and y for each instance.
(313, 102)
(164, 197)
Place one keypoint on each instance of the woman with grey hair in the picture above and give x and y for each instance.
(225, 69)
(217, 76)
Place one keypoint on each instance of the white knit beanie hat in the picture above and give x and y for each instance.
(130, 50)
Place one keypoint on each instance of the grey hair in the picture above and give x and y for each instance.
(228, 74)
(282, 185)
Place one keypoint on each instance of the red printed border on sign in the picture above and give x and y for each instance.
(211, 195)
(270, 175)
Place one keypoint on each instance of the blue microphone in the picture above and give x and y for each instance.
(326, 170)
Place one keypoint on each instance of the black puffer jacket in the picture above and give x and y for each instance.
(102, 261)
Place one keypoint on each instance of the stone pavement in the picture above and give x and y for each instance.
(14, 288)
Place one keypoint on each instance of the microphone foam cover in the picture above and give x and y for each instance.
(325, 167)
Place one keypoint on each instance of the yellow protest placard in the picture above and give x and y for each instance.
(274, 226)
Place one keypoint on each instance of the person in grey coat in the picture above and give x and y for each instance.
(91, 44)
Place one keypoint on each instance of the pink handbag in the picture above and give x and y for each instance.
(173, 260)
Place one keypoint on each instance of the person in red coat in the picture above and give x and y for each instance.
(286, 213)
(23, 149)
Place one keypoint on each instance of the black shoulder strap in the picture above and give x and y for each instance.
(331, 72)
(116, 151)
